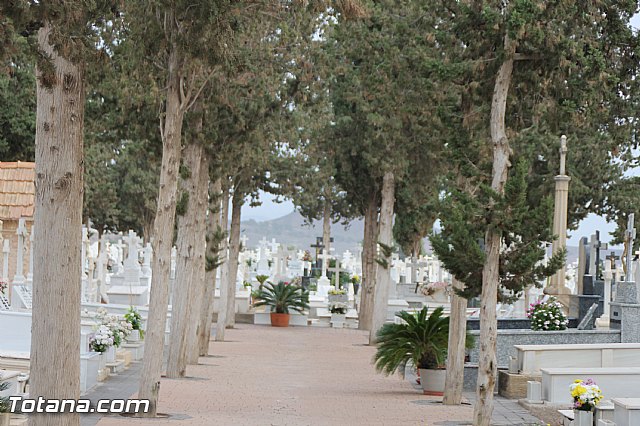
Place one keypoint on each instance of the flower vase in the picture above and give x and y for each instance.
(134, 337)
(111, 354)
(582, 418)
(338, 320)
(103, 361)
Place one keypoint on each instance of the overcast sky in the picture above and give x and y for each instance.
(271, 210)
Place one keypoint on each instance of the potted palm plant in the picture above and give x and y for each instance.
(282, 298)
(420, 339)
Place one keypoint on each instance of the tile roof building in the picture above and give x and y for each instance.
(17, 200)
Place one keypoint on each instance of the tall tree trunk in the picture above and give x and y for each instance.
(369, 265)
(193, 345)
(326, 227)
(55, 368)
(487, 368)
(213, 225)
(234, 252)
(383, 273)
(187, 260)
(456, 348)
(224, 272)
(162, 238)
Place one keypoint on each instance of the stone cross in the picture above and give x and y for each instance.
(563, 154)
(325, 257)
(336, 270)
(318, 246)
(22, 233)
(629, 237)
(594, 258)
(414, 264)
(263, 242)
(274, 246)
(612, 258)
(243, 241)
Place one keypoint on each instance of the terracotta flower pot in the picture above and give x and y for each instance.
(279, 320)
(432, 381)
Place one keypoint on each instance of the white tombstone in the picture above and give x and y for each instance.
(263, 262)
(101, 270)
(146, 260)
(6, 249)
(325, 257)
(19, 278)
(132, 270)
(30, 273)
(603, 321)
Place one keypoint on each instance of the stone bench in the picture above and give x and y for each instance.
(627, 411)
(615, 382)
(531, 358)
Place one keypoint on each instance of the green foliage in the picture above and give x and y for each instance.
(213, 259)
(18, 104)
(5, 404)
(133, 317)
(182, 203)
(524, 227)
(386, 252)
(282, 297)
(420, 338)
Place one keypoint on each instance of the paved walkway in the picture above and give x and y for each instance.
(297, 376)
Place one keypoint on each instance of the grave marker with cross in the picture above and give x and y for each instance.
(612, 257)
(336, 271)
(324, 257)
(629, 237)
(414, 264)
(596, 246)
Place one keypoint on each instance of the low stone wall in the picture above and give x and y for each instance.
(508, 338)
(512, 323)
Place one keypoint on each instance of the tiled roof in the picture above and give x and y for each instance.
(17, 190)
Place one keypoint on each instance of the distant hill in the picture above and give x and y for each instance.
(293, 231)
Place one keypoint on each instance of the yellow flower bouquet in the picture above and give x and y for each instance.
(586, 394)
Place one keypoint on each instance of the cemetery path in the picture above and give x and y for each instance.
(294, 376)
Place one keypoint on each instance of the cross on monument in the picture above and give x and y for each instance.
(274, 246)
(612, 258)
(324, 257)
(243, 241)
(318, 246)
(563, 154)
(336, 270)
(629, 237)
(596, 246)
(414, 264)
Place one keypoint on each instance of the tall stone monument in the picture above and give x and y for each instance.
(557, 286)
